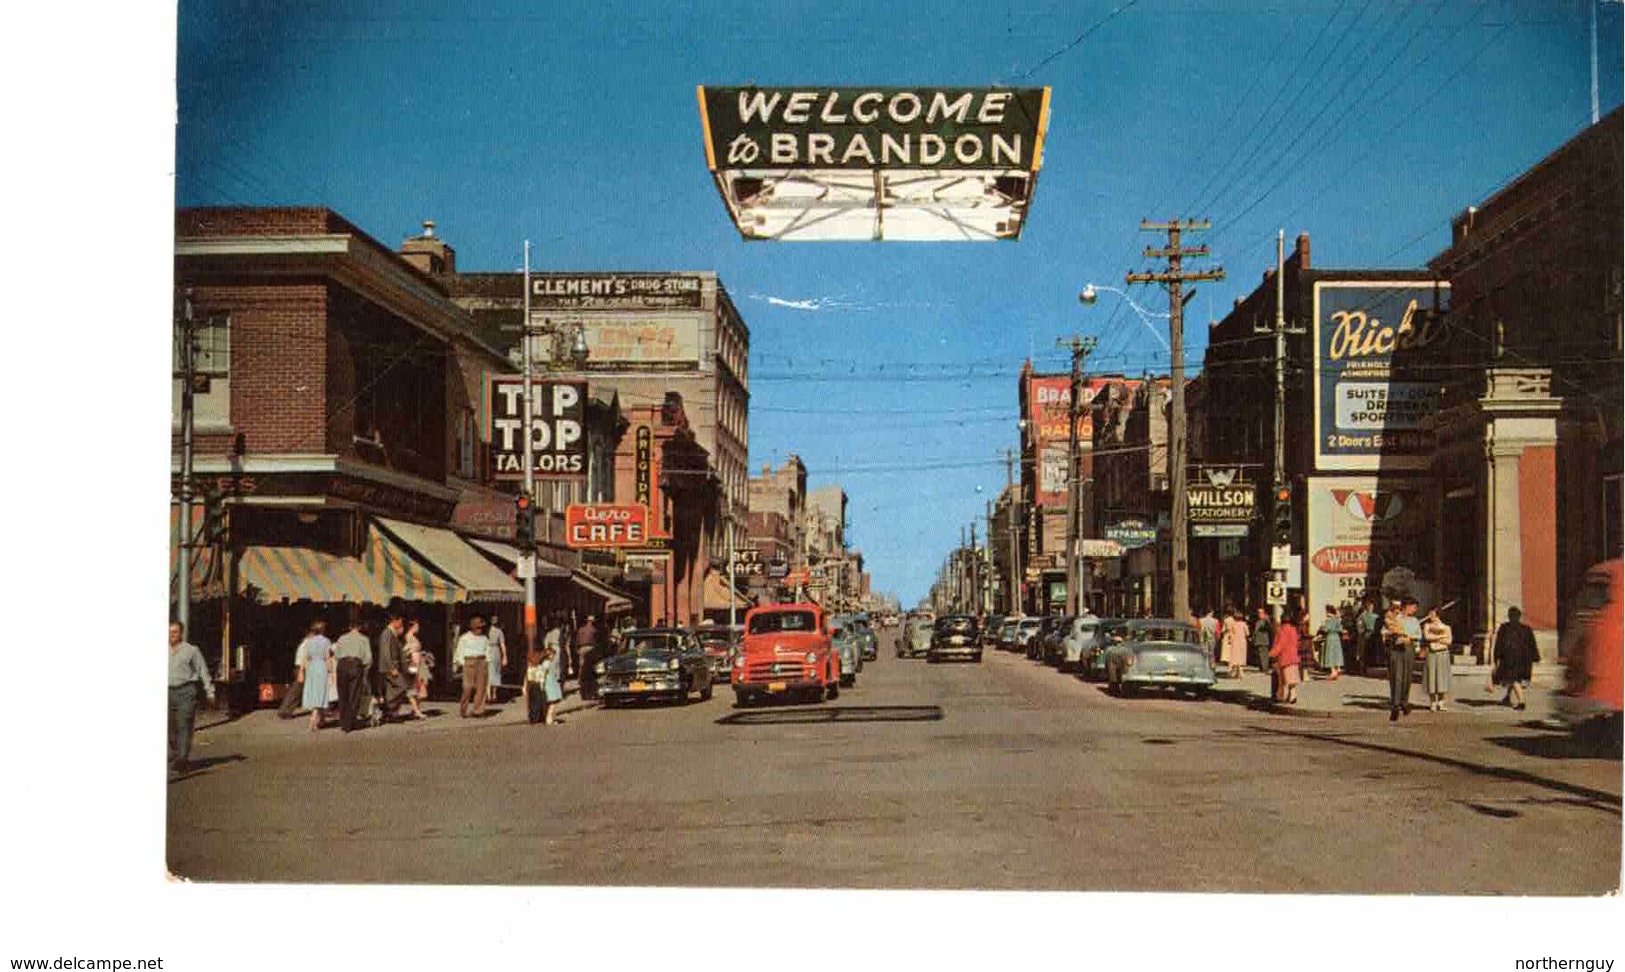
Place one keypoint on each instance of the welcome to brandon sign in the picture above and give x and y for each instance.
(869, 128)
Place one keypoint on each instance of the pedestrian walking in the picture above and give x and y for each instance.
(1368, 637)
(1263, 636)
(497, 660)
(393, 665)
(311, 666)
(353, 652)
(1208, 627)
(415, 661)
(554, 638)
(293, 698)
(1330, 637)
(472, 650)
(542, 691)
(1403, 633)
(1233, 644)
(1284, 658)
(188, 674)
(1515, 658)
(1436, 666)
(586, 658)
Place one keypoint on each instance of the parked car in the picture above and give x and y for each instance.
(787, 652)
(990, 630)
(1107, 632)
(1007, 635)
(719, 643)
(1159, 653)
(1076, 638)
(848, 645)
(871, 641)
(916, 639)
(1050, 636)
(1590, 701)
(1026, 630)
(955, 636)
(655, 663)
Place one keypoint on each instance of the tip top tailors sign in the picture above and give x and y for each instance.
(590, 525)
(1222, 506)
(558, 413)
(1375, 342)
(874, 128)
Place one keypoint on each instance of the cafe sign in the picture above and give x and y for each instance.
(601, 525)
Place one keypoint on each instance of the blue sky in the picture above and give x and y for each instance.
(1366, 123)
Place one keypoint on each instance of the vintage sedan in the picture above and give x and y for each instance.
(1006, 638)
(1050, 637)
(955, 636)
(1075, 641)
(720, 642)
(871, 641)
(1159, 653)
(915, 641)
(1108, 632)
(1026, 631)
(655, 663)
(848, 644)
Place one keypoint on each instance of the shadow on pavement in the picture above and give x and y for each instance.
(1557, 746)
(834, 714)
(1597, 799)
(201, 765)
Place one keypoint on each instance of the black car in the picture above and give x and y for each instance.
(655, 663)
(1034, 645)
(955, 636)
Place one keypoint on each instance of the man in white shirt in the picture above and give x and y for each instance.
(187, 675)
(473, 648)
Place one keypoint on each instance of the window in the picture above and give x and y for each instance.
(466, 444)
(211, 333)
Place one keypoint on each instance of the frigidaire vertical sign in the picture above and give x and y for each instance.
(558, 415)
(869, 128)
(644, 444)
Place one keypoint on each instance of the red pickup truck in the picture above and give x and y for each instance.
(786, 652)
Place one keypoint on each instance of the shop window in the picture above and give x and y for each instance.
(211, 403)
(466, 443)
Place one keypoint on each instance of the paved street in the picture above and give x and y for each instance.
(999, 775)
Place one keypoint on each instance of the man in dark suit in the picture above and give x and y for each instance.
(392, 665)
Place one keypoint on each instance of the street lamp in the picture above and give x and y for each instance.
(1090, 294)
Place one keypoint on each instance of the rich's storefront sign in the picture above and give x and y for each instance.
(1368, 533)
(1375, 343)
(874, 128)
(558, 416)
(590, 525)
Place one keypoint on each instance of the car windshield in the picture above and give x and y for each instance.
(956, 625)
(1175, 633)
(647, 643)
(775, 622)
(1030, 625)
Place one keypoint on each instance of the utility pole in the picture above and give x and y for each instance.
(1280, 332)
(992, 575)
(728, 498)
(1175, 278)
(530, 468)
(1014, 494)
(1081, 348)
(183, 562)
(975, 572)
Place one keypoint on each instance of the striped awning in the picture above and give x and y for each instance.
(469, 573)
(716, 594)
(286, 574)
(402, 575)
(614, 601)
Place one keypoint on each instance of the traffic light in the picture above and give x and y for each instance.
(524, 531)
(1281, 515)
(214, 518)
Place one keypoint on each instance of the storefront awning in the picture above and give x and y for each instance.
(614, 601)
(717, 595)
(274, 574)
(471, 576)
(508, 554)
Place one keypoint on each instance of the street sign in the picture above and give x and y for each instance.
(526, 568)
(1294, 572)
(1212, 530)
(1280, 554)
(1275, 592)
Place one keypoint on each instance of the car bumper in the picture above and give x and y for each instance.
(778, 686)
(955, 651)
(640, 689)
(1183, 681)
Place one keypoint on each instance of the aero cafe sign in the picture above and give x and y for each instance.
(601, 525)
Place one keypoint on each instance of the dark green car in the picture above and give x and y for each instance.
(663, 663)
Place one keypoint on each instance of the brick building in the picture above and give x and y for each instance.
(1529, 431)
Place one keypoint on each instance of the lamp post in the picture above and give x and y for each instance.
(578, 357)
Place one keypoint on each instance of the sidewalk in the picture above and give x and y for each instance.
(1320, 697)
(442, 717)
